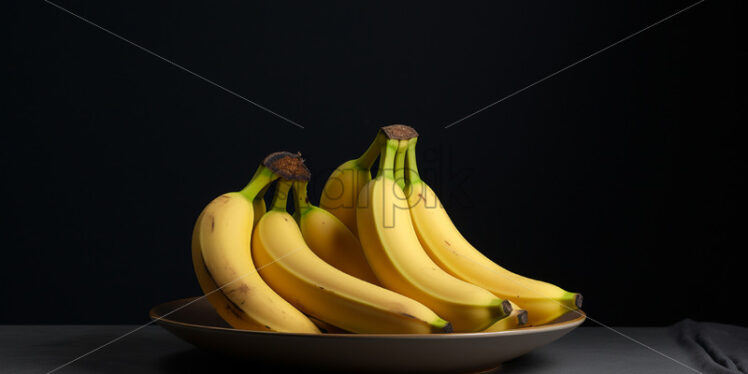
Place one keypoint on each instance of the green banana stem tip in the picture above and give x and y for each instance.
(387, 159)
(572, 300)
(259, 182)
(392, 132)
(280, 197)
(301, 199)
(278, 164)
(367, 159)
(263, 191)
(400, 161)
(413, 176)
(442, 326)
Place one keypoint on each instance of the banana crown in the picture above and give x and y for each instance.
(393, 151)
(225, 268)
(399, 132)
(282, 164)
(287, 165)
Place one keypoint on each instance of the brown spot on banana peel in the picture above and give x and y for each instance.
(212, 223)
(409, 315)
(230, 302)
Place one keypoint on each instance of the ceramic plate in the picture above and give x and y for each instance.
(198, 324)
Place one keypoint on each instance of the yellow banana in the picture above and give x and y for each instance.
(340, 194)
(329, 238)
(325, 292)
(223, 306)
(224, 268)
(517, 318)
(442, 241)
(401, 264)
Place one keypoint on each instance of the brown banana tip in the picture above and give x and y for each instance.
(578, 300)
(507, 306)
(287, 165)
(447, 328)
(522, 317)
(399, 132)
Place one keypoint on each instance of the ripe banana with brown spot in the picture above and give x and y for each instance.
(224, 267)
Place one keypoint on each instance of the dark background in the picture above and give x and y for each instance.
(620, 178)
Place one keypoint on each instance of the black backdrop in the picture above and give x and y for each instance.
(619, 178)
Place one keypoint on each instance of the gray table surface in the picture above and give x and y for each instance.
(39, 349)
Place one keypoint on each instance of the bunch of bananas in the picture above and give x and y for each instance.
(377, 256)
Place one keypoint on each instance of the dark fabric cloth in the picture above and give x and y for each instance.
(714, 347)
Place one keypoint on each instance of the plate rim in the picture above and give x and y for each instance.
(155, 317)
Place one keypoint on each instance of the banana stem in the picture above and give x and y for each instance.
(280, 198)
(367, 159)
(301, 200)
(402, 147)
(263, 177)
(387, 159)
(261, 194)
(410, 162)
